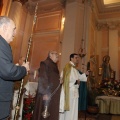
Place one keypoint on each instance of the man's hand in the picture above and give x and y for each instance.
(21, 60)
(45, 97)
(26, 65)
(61, 81)
(87, 73)
(77, 82)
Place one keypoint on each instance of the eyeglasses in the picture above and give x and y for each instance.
(55, 53)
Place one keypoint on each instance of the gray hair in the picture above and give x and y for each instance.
(4, 20)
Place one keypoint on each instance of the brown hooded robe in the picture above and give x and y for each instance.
(47, 83)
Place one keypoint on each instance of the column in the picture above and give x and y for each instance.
(87, 21)
(99, 46)
(72, 30)
(113, 50)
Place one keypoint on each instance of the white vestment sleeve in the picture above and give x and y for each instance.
(62, 100)
(83, 77)
(74, 75)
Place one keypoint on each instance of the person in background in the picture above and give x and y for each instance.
(48, 84)
(9, 72)
(69, 93)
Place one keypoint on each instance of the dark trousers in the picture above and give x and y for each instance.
(5, 110)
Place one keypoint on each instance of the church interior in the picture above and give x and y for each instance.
(90, 28)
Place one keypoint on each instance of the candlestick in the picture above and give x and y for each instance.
(112, 75)
(100, 71)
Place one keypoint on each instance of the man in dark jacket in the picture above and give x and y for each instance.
(48, 81)
(9, 72)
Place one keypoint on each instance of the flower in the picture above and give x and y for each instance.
(110, 87)
(28, 107)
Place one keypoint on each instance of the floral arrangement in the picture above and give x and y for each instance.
(110, 87)
(28, 107)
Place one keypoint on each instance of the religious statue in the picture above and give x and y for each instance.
(106, 68)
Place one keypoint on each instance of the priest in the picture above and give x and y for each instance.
(69, 93)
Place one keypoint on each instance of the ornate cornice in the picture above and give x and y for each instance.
(71, 1)
(108, 25)
(21, 1)
(44, 7)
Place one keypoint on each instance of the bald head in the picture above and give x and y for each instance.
(7, 28)
(53, 55)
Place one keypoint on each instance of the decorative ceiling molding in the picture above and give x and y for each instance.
(80, 1)
(70, 1)
(108, 25)
(21, 1)
(107, 8)
(44, 5)
(106, 2)
(106, 11)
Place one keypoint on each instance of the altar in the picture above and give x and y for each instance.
(108, 104)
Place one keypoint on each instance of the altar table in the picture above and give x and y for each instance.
(108, 104)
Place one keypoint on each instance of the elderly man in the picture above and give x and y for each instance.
(48, 85)
(9, 72)
(69, 94)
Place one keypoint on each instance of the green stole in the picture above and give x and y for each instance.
(66, 78)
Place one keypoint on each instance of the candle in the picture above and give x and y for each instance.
(100, 71)
(112, 74)
(35, 73)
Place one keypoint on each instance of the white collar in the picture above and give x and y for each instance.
(72, 63)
